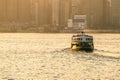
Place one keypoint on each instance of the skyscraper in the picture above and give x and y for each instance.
(92, 8)
(55, 12)
(64, 12)
(115, 13)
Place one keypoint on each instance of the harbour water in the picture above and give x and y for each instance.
(36, 56)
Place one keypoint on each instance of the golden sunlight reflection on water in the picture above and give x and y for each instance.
(48, 56)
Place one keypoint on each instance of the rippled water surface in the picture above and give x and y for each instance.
(34, 56)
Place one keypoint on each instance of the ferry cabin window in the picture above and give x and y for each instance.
(89, 39)
(79, 39)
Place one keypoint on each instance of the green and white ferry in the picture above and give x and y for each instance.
(82, 42)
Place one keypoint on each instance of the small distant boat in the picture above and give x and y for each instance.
(82, 42)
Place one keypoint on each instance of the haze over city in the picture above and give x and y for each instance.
(53, 15)
(59, 39)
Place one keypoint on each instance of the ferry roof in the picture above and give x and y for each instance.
(79, 35)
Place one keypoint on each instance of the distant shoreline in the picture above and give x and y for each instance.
(35, 30)
(93, 31)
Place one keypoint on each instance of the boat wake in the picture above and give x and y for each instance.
(106, 53)
(96, 52)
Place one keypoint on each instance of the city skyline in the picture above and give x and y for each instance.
(40, 13)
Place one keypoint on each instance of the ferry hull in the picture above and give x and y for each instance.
(79, 47)
(82, 49)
